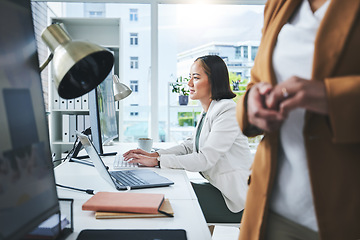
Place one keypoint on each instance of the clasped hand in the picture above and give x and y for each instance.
(268, 106)
(140, 156)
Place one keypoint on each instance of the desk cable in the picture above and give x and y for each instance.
(88, 191)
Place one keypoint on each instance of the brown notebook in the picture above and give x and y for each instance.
(124, 202)
(164, 211)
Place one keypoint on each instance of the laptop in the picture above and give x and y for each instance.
(124, 179)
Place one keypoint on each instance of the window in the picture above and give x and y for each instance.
(133, 15)
(237, 52)
(94, 9)
(253, 52)
(134, 85)
(133, 39)
(234, 64)
(221, 29)
(134, 62)
(228, 31)
(245, 51)
(95, 14)
(134, 109)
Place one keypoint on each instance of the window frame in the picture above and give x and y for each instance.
(134, 85)
(134, 39)
(134, 15)
(134, 62)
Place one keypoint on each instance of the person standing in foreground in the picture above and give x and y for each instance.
(218, 149)
(304, 96)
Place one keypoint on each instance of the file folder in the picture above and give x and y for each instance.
(80, 123)
(78, 103)
(56, 98)
(71, 104)
(65, 128)
(63, 104)
(72, 128)
(85, 102)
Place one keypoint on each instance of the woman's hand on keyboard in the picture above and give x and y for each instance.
(143, 160)
(140, 151)
(142, 157)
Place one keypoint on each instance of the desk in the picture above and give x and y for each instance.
(187, 211)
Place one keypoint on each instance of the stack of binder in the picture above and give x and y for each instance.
(108, 205)
(72, 123)
(58, 103)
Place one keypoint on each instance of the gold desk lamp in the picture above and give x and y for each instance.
(78, 66)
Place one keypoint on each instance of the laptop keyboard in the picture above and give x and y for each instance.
(120, 163)
(127, 178)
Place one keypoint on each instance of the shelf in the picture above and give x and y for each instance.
(71, 110)
(94, 30)
(62, 143)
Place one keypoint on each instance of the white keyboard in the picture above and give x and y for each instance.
(120, 163)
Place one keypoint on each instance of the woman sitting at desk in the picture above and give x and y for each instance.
(218, 150)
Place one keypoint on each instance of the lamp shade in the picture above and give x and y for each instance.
(78, 66)
(121, 91)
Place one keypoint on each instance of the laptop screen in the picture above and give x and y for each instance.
(94, 156)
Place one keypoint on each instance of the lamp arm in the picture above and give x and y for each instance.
(46, 62)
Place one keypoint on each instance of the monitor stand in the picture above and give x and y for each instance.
(84, 159)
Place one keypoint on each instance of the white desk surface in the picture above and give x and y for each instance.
(187, 211)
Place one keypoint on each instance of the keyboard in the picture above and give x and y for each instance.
(127, 178)
(120, 163)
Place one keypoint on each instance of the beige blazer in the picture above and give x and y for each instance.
(332, 142)
(224, 156)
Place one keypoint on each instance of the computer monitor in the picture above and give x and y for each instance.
(103, 121)
(27, 185)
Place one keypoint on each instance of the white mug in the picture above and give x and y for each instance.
(145, 144)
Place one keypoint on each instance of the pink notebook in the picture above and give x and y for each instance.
(124, 202)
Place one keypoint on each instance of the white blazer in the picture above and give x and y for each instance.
(224, 156)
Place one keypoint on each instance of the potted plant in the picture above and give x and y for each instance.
(235, 85)
(180, 87)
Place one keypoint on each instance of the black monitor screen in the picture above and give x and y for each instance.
(103, 114)
(108, 122)
(27, 185)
